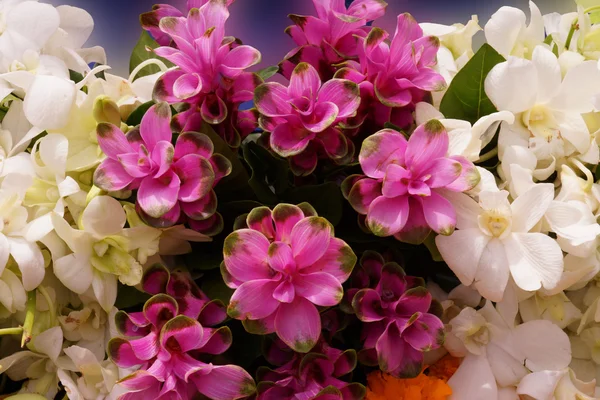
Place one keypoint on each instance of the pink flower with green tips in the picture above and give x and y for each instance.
(398, 322)
(312, 376)
(304, 113)
(402, 193)
(168, 347)
(170, 180)
(285, 264)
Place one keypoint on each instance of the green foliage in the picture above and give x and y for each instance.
(268, 72)
(267, 171)
(326, 198)
(466, 98)
(142, 52)
(135, 118)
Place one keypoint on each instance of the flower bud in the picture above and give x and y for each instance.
(106, 110)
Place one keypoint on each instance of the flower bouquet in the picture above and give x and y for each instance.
(383, 215)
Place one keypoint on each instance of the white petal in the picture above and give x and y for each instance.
(465, 296)
(4, 252)
(6, 298)
(49, 342)
(438, 30)
(77, 240)
(17, 292)
(540, 385)
(574, 130)
(508, 308)
(494, 200)
(548, 73)
(94, 218)
(30, 260)
(485, 127)
(512, 85)
(473, 380)
(535, 30)
(486, 183)
(17, 364)
(105, 289)
(581, 83)
(521, 180)
(69, 384)
(544, 346)
(53, 150)
(462, 251)
(507, 370)
(467, 209)
(507, 393)
(77, 23)
(503, 29)
(535, 260)
(425, 112)
(74, 271)
(49, 101)
(492, 271)
(531, 206)
(81, 356)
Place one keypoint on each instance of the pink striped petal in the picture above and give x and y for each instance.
(216, 341)
(158, 196)
(414, 300)
(112, 140)
(245, 253)
(111, 176)
(165, 221)
(221, 167)
(304, 164)
(150, 20)
(285, 292)
(201, 209)
(304, 81)
(298, 324)
(183, 366)
(285, 217)
(162, 155)
(130, 326)
(120, 352)
(224, 382)
(253, 300)
(323, 116)
(145, 348)
(443, 172)
(176, 28)
(363, 193)
(390, 93)
(213, 109)
(309, 240)
(416, 229)
(155, 125)
(271, 99)
(427, 333)
(313, 29)
(155, 279)
(334, 143)
(392, 284)
(427, 143)
(140, 380)
(262, 326)
(380, 150)
(367, 9)
(196, 175)
(210, 226)
(394, 181)
(388, 348)
(338, 261)
(343, 93)
(187, 86)
(281, 258)
(348, 184)
(469, 176)
(164, 87)
(411, 361)
(239, 59)
(439, 213)
(260, 219)
(387, 216)
(319, 288)
(193, 143)
(407, 29)
(290, 139)
(135, 166)
(418, 188)
(159, 309)
(181, 334)
(367, 305)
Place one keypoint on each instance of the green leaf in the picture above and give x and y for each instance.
(213, 286)
(267, 171)
(141, 53)
(268, 72)
(466, 98)
(75, 76)
(135, 118)
(432, 247)
(326, 198)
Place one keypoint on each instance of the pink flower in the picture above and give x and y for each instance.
(331, 37)
(394, 76)
(285, 265)
(403, 191)
(312, 376)
(306, 112)
(169, 179)
(398, 327)
(167, 347)
(211, 75)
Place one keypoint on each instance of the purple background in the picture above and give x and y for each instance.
(260, 23)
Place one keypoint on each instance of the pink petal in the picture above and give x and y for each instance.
(245, 254)
(262, 326)
(469, 176)
(187, 86)
(388, 348)
(112, 140)
(285, 217)
(313, 29)
(164, 89)
(323, 116)
(407, 29)
(390, 94)
(155, 125)
(181, 333)
(309, 240)
(304, 164)
(367, 306)
(271, 99)
(416, 229)
(285, 292)
(334, 143)
(176, 28)
(363, 193)
(196, 175)
(158, 196)
(343, 93)
(162, 155)
(387, 216)
(380, 150)
(392, 283)
(367, 9)
(239, 59)
(319, 288)
(290, 139)
(216, 341)
(411, 361)
(159, 309)
(439, 213)
(120, 352)
(213, 109)
(394, 182)
(183, 366)
(298, 324)
(150, 20)
(443, 172)
(280, 257)
(253, 300)
(111, 176)
(140, 380)
(145, 348)
(429, 80)
(166, 221)
(414, 300)
(418, 188)
(193, 143)
(427, 143)
(129, 325)
(338, 261)
(427, 333)
(210, 226)
(221, 166)
(260, 219)
(304, 81)
(201, 209)
(224, 382)
(135, 166)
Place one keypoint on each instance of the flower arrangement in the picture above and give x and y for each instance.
(380, 216)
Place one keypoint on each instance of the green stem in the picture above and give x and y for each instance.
(489, 155)
(29, 317)
(592, 9)
(11, 331)
(574, 27)
(51, 307)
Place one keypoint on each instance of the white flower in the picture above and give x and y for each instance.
(12, 294)
(101, 250)
(556, 385)
(15, 134)
(494, 240)
(556, 308)
(586, 354)
(575, 226)
(497, 353)
(508, 32)
(547, 108)
(87, 324)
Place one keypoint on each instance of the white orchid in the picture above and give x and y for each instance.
(556, 385)
(502, 242)
(497, 354)
(15, 135)
(556, 308)
(101, 250)
(12, 294)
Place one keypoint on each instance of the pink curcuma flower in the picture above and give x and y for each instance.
(285, 265)
(210, 77)
(394, 77)
(402, 193)
(167, 348)
(169, 179)
(332, 36)
(312, 376)
(305, 113)
(398, 325)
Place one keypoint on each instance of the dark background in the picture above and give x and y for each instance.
(260, 23)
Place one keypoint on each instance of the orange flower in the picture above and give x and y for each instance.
(429, 385)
